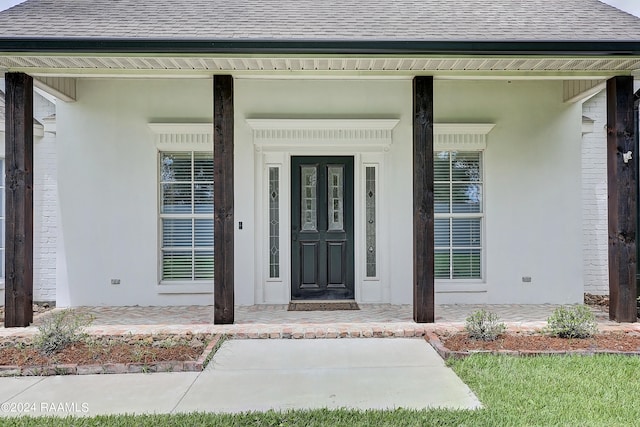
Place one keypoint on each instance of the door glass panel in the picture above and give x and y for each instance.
(309, 205)
(335, 205)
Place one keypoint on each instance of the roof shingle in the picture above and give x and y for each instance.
(365, 20)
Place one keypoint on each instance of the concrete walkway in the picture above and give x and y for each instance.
(257, 375)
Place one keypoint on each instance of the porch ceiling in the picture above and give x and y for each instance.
(544, 66)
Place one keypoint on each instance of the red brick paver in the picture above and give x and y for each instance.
(274, 321)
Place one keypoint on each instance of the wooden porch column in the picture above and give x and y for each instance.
(18, 299)
(622, 187)
(223, 199)
(423, 237)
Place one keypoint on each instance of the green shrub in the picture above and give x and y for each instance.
(484, 325)
(59, 329)
(575, 322)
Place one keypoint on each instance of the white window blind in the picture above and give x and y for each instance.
(459, 213)
(186, 216)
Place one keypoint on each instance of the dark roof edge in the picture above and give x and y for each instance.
(343, 47)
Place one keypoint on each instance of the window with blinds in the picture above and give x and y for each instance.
(186, 216)
(459, 213)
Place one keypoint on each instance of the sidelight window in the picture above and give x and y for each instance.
(370, 218)
(274, 222)
(459, 214)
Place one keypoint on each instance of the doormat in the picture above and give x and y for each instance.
(323, 306)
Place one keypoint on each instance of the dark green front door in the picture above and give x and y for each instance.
(322, 228)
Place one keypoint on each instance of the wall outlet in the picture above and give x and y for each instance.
(526, 279)
(115, 281)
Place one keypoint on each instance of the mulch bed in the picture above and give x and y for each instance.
(111, 354)
(460, 345)
(84, 354)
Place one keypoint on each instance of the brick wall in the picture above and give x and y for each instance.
(45, 219)
(594, 198)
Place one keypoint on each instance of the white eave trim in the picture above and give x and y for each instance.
(183, 136)
(372, 134)
(461, 136)
(376, 134)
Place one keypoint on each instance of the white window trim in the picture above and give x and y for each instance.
(196, 137)
(465, 137)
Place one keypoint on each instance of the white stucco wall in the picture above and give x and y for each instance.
(532, 196)
(107, 165)
(594, 196)
(108, 181)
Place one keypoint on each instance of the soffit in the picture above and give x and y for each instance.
(237, 65)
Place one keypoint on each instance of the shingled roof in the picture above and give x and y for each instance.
(282, 20)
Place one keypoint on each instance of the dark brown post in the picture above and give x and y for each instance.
(423, 238)
(18, 299)
(223, 199)
(622, 155)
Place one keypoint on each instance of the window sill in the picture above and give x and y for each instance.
(184, 288)
(452, 286)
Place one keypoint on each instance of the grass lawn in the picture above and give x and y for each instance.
(548, 390)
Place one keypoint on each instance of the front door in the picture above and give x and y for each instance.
(322, 228)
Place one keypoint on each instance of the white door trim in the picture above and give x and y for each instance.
(275, 142)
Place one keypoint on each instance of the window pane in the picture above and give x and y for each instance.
(442, 263)
(442, 232)
(466, 198)
(176, 233)
(203, 197)
(466, 263)
(203, 233)
(441, 166)
(176, 167)
(465, 166)
(177, 265)
(203, 167)
(441, 198)
(203, 265)
(176, 199)
(466, 232)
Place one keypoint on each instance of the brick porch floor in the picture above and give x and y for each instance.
(274, 321)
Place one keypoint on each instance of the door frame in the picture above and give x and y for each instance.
(275, 142)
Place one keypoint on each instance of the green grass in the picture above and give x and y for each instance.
(536, 391)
